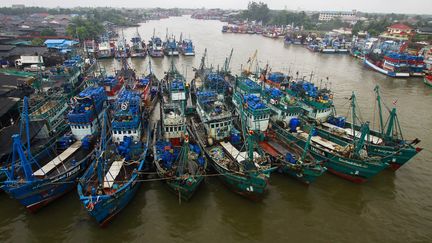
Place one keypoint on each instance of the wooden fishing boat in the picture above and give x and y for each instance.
(53, 172)
(292, 159)
(428, 80)
(178, 158)
(149, 89)
(387, 142)
(139, 48)
(243, 167)
(113, 179)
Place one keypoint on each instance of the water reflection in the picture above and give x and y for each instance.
(244, 217)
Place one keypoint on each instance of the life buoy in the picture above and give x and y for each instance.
(90, 206)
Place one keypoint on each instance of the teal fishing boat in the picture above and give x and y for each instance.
(292, 159)
(242, 166)
(388, 142)
(349, 160)
(178, 159)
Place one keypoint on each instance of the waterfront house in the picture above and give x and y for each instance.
(398, 31)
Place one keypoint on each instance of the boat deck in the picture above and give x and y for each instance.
(319, 140)
(112, 173)
(347, 132)
(47, 168)
(237, 155)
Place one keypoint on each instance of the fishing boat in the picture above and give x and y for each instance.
(53, 172)
(284, 107)
(242, 166)
(292, 159)
(388, 142)
(397, 65)
(47, 107)
(277, 80)
(347, 160)
(221, 80)
(122, 49)
(179, 160)
(170, 47)
(148, 87)
(257, 113)
(155, 47)
(316, 102)
(112, 85)
(105, 49)
(113, 179)
(139, 48)
(428, 80)
(186, 47)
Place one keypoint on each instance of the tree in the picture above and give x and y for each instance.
(48, 32)
(37, 42)
(357, 27)
(257, 11)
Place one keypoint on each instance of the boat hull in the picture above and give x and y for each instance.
(251, 187)
(428, 80)
(104, 208)
(385, 72)
(395, 156)
(38, 193)
(353, 170)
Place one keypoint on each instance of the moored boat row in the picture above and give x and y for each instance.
(238, 129)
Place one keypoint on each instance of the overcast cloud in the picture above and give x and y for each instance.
(388, 6)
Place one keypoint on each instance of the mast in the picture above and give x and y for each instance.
(390, 125)
(150, 67)
(360, 143)
(307, 145)
(183, 156)
(353, 106)
(26, 119)
(378, 100)
(228, 61)
(102, 148)
(202, 64)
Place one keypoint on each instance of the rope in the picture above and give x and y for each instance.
(139, 180)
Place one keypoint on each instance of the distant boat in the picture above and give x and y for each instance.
(155, 47)
(186, 47)
(170, 47)
(397, 65)
(428, 80)
(139, 48)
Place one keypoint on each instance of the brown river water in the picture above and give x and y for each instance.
(392, 207)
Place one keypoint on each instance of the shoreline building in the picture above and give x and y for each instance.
(398, 31)
(343, 15)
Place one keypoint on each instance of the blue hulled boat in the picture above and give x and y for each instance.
(36, 180)
(187, 48)
(113, 179)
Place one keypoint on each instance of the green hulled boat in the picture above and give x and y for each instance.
(387, 142)
(292, 159)
(243, 167)
(347, 160)
(179, 160)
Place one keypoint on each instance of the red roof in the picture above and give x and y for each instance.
(400, 27)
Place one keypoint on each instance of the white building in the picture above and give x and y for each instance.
(329, 15)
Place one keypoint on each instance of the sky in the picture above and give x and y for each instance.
(382, 6)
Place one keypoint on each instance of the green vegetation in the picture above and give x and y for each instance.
(257, 11)
(37, 42)
(48, 32)
(85, 28)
